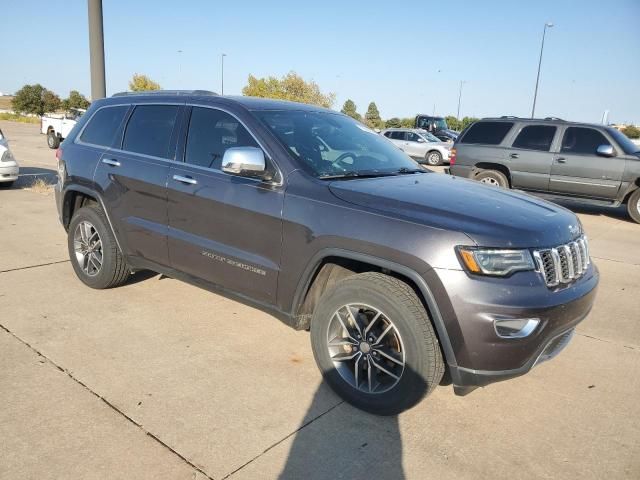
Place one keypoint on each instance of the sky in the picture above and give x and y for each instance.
(407, 56)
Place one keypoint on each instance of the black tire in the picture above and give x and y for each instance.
(423, 367)
(114, 270)
(633, 206)
(433, 158)
(7, 184)
(53, 140)
(493, 178)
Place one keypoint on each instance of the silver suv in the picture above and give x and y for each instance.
(419, 144)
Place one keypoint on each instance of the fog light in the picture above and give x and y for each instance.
(515, 327)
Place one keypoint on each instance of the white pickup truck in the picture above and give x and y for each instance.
(57, 127)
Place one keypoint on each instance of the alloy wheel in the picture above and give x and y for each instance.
(433, 159)
(365, 348)
(88, 248)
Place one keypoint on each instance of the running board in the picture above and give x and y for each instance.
(578, 200)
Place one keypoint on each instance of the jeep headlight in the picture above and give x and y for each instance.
(493, 261)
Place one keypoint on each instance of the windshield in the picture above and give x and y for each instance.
(334, 145)
(428, 123)
(625, 143)
(429, 137)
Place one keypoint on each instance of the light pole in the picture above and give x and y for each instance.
(179, 52)
(222, 72)
(462, 82)
(96, 50)
(535, 94)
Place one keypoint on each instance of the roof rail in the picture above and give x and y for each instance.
(554, 118)
(165, 92)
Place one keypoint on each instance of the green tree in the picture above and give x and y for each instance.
(631, 131)
(453, 122)
(75, 100)
(466, 121)
(372, 117)
(35, 99)
(393, 122)
(407, 122)
(290, 87)
(142, 83)
(349, 108)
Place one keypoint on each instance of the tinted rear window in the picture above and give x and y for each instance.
(535, 137)
(149, 130)
(488, 133)
(102, 127)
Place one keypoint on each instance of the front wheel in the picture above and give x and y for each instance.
(633, 206)
(374, 343)
(53, 140)
(434, 158)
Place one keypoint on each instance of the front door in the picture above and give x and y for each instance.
(578, 170)
(223, 228)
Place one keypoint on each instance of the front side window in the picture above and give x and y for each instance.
(149, 130)
(487, 133)
(582, 140)
(535, 137)
(102, 127)
(333, 145)
(211, 133)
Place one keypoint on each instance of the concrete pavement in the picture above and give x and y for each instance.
(160, 379)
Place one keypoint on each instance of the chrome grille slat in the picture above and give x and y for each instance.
(564, 263)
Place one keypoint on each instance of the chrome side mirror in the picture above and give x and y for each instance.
(244, 161)
(420, 140)
(606, 151)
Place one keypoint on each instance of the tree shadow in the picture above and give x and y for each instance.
(344, 442)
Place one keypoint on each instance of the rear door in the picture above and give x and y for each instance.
(397, 138)
(530, 157)
(578, 170)
(223, 228)
(134, 179)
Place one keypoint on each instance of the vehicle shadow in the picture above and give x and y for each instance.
(618, 213)
(29, 175)
(346, 443)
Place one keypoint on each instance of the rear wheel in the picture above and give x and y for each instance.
(633, 206)
(434, 158)
(6, 184)
(493, 178)
(53, 140)
(93, 251)
(374, 343)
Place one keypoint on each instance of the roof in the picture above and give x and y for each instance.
(540, 120)
(250, 103)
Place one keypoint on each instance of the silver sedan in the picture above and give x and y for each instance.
(419, 144)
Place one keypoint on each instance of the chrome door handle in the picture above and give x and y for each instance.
(561, 160)
(189, 180)
(110, 161)
(514, 155)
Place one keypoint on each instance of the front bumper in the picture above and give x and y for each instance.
(9, 171)
(470, 304)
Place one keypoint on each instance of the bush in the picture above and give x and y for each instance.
(631, 131)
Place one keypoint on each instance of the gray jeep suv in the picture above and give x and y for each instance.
(552, 158)
(406, 278)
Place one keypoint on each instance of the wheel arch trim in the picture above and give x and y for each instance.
(91, 193)
(316, 261)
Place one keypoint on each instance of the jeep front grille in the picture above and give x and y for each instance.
(563, 264)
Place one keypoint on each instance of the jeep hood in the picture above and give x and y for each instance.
(490, 216)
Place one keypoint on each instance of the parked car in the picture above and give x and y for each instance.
(9, 168)
(402, 275)
(589, 163)
(436, 126)
(57, 127)
(419, 144)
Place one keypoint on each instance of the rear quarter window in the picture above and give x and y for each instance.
(487, 133)
(102, 127)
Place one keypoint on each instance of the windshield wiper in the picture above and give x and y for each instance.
(356, 174)
(405, 170)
